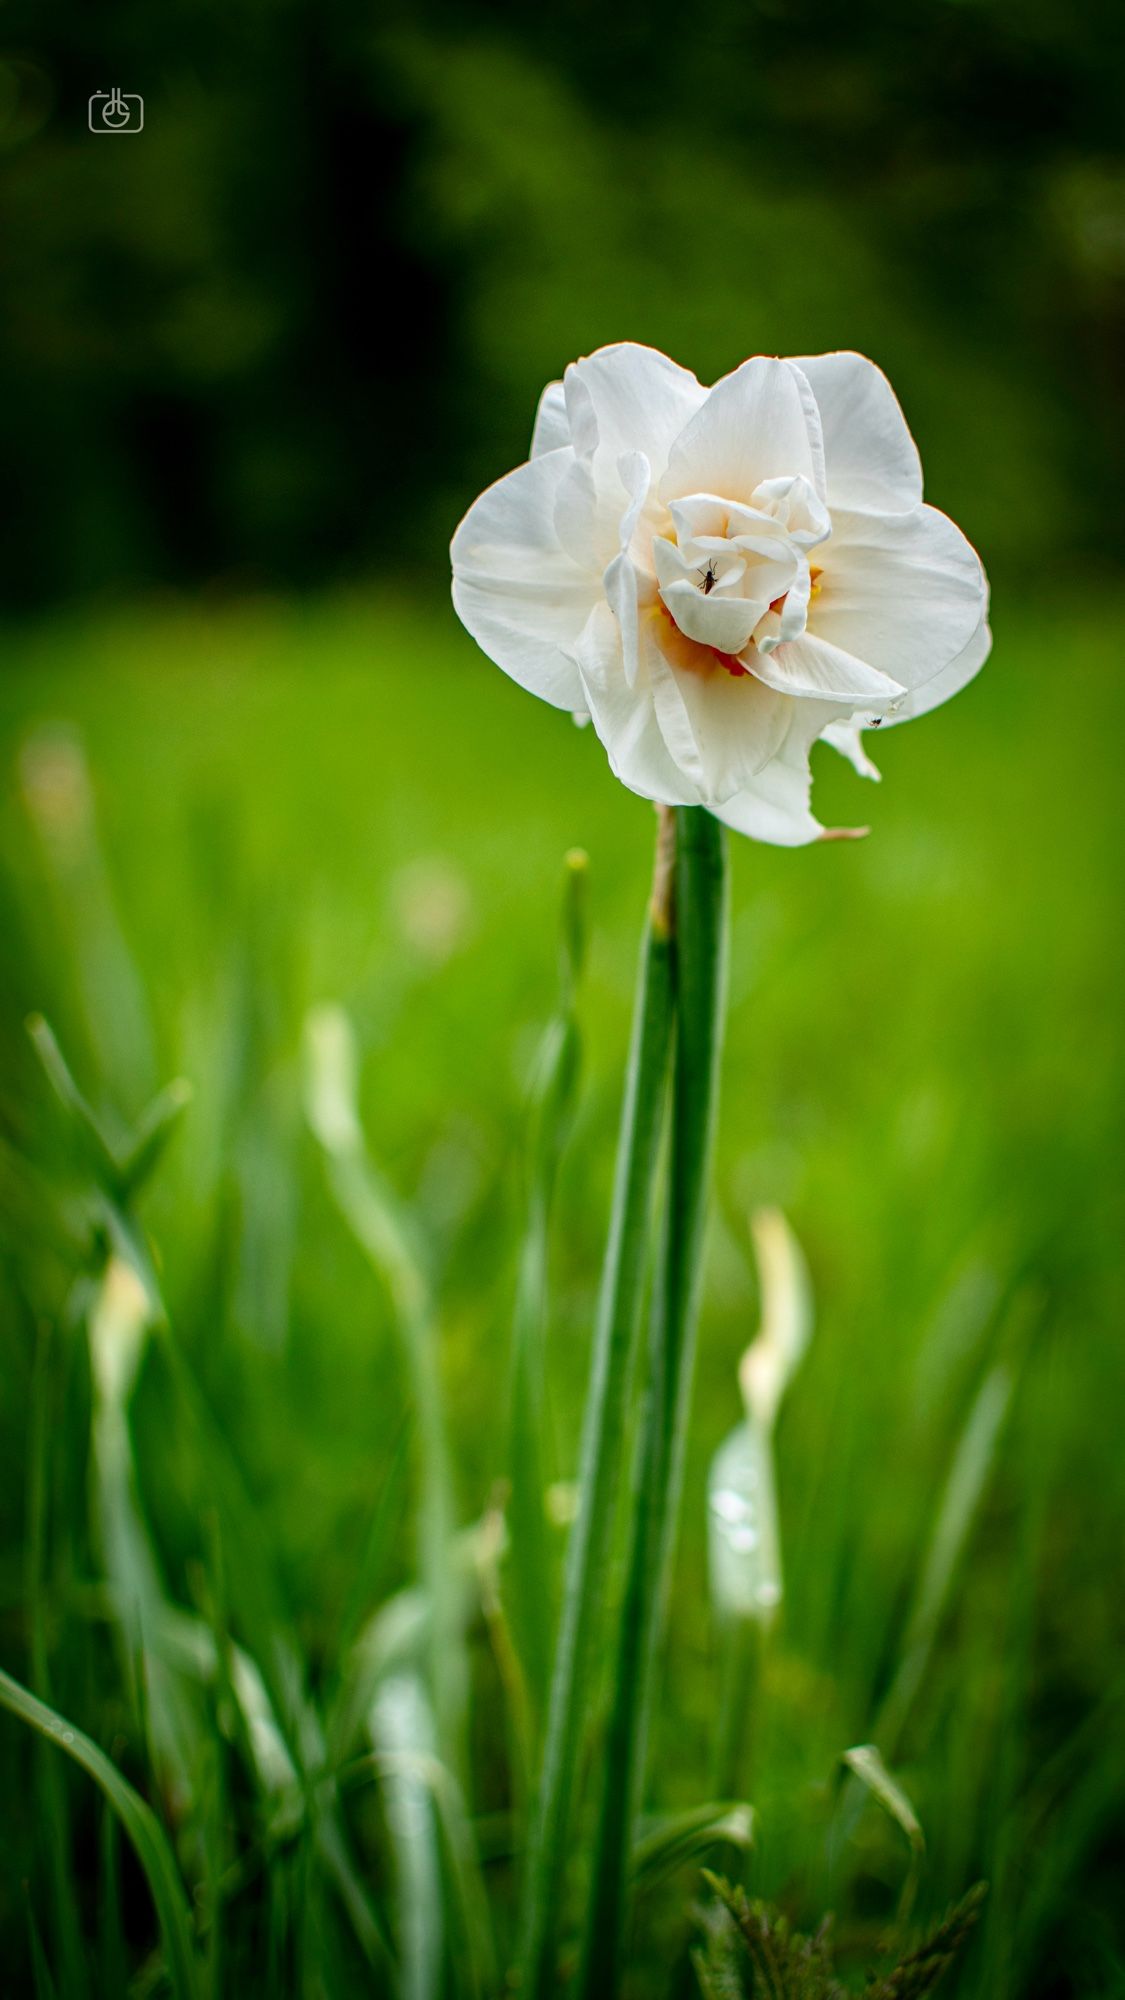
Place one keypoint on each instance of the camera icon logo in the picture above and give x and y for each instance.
(116, 111)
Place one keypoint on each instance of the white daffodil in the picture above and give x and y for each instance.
(718, 577)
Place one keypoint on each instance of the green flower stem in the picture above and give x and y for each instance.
(699, 977)
(604, 1432)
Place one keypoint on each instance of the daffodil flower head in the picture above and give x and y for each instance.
(718, 577)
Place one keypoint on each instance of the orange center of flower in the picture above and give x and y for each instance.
(694, 658)
(690, 655)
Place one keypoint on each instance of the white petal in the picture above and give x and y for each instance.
(629, 398)
(870, 458)
(775, 806)
(905, 592)
(794, 612)
(708, 525)
(672, 565)
(720, 620)
(779, 627)
(847, 738)
(720, 729)
(810, 668)
(754, 425)
(592, 500)
(949, 682)
(585, 528)
(524, 600)
(800, 510)
(626, 590)
(552, 425)
(625, 718)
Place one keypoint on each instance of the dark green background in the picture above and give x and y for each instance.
(286, 334)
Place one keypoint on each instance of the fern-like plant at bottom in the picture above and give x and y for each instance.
(748, 1951)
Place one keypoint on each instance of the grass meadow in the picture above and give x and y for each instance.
(219, 817)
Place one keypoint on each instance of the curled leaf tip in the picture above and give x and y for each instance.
(773, 1355)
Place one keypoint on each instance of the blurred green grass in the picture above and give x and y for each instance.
(339, 799)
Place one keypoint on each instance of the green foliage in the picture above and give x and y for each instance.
(532, 1593)
(919, 1972)
(749, 1949)
(750, 1952)
(211, 1505)
(142, 1827)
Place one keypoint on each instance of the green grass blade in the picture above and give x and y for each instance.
(147, 1836)
(965, 1485)
(52, 1801)
(431, 1830)
(363, 1914)
(387, 1238)
(1072, 1803)
(700, 981)
(402, 1732)
(361, 1598)
(45, 1988)
(112, 1960)
(92, 1141)
(59, 796)
(443, 1911)
(964, 1489)
(742, 1659)
(530, 1593)
(602, 1443)
(682, 1838)
(151, 1135)
(743, 1534)
(251, 1577)
(867, 1765)
(118, 1326)
(274, 1662)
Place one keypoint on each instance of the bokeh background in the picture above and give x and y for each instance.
(254, 362)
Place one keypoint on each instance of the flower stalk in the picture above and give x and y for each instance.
(605, 1429)
(699, 982)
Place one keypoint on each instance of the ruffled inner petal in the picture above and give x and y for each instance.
(720, 725)
(809, 668)
(754, 425)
